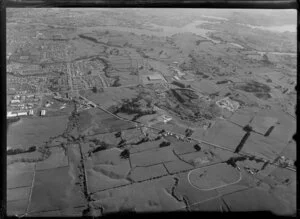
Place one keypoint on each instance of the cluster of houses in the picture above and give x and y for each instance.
(24, 102)
(22, 105)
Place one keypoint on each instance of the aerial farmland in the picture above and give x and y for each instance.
(143, 110)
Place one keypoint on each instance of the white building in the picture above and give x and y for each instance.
(166, 118)
(30, 112)
(177, 78)
(22, 114)
(180, 74)
(16, 97)
(155, 77)
(11, 114)
(47, 105)
(15, 101)
(43, 112)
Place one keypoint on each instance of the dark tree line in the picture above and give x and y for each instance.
(20, 151)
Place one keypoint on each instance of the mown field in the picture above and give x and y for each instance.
(35, 131)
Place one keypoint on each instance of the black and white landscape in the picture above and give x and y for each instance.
(150, 110)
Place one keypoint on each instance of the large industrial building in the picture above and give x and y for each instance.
(11, 114)
(22, 113)
(155, 77)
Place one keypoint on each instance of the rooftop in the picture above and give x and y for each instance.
(155, 77)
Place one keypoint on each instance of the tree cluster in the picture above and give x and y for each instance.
(125, 154)
(164, 144)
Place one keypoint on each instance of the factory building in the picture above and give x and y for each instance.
(22, 113)
(155, 77)
(30, 112)
(179, 84)
(11, 114)
(43, 112)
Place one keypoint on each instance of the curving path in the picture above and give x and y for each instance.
(216, 186)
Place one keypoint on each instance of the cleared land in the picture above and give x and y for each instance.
(263, 147)
(152, 157)
(225, 134)
(19, 175)
(144, 173)
(58, 158)
(146, 196)
(50, 194)
(106, 169)
(257, 200)
(31, 131)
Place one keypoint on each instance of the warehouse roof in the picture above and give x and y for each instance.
(155, 77)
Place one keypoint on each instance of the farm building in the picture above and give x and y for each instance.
(176, 78)
(47, 104)
(155, 77)
(166, 118)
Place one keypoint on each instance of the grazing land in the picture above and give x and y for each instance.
(143, 110)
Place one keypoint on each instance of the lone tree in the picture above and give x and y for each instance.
(247, 128)
(162, 131)
(164, 144)
(265, 59)
(197, 147)
(122, 142)
(94, 89)
(125, 154)
(188, 132)
(118, 134)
